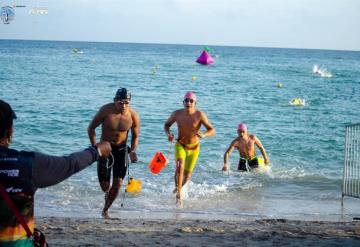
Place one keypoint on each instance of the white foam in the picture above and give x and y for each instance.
(321, 71)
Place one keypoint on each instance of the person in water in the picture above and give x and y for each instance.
(245, 144)
(117, 119)
(22, 173)
(187, 148)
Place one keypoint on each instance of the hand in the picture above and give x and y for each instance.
(133, 157)
(170, 137)
(104, 147)
(267, 161)
(225, 168)
(200, 134)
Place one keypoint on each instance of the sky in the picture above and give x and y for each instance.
(316, 24)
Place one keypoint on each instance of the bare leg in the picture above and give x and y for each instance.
(105, 186)
(111, 196)
(187, 176)
(179, 180)
(176, 175)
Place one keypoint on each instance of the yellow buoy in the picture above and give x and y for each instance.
(280, 85)
(194, 78)
(297, 102)
(261, 161)
(263, 168)
(133, 186)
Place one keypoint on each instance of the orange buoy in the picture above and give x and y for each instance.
(158, 163)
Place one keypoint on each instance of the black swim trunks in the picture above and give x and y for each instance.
(119, 167)
(253, 163)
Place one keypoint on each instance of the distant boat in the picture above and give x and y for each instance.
(205, 58)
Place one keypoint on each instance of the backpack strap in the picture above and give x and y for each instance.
(13, 208)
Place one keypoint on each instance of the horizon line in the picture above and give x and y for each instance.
(151, 43)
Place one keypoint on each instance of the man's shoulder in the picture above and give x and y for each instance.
(107, 107)
(133, 112)
(236, 140)
(201, 113)
(178, 111)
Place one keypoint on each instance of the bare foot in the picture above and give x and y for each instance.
(179, 202)
(105, 214)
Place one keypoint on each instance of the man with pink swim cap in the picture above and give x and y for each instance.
(187, 148)
(190, 95)
(242, 127)
(245, 144)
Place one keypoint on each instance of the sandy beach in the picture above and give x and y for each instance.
(184, 232)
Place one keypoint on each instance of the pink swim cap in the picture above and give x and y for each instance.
(242, 127)
(190, 95)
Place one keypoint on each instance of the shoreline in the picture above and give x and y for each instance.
(186, 232)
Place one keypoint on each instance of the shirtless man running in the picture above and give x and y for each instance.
(187, 148)
(245, 144)
(116, 120)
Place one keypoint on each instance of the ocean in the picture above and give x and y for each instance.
(56, 90)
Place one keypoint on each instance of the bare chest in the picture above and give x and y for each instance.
(118, 122)
(188, 122)
(246, 145)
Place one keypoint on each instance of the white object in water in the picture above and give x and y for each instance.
(322, 72)
(297, 102)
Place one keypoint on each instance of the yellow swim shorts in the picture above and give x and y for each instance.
(189, 153)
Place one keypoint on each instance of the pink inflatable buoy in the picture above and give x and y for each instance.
(205, 58)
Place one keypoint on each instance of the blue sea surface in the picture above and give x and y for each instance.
(56, 92)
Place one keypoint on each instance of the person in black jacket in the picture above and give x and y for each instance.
(21, 173)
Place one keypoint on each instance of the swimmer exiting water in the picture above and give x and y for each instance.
(245, 144)
(116, 119)
(187, 148)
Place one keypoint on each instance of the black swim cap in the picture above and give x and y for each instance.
(7, 115)
(122, 93)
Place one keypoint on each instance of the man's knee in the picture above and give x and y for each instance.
(116, 183)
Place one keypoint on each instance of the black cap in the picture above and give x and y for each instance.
(7, 115)
(6, 111)
(122, 93)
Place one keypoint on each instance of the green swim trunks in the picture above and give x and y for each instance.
(189, 153)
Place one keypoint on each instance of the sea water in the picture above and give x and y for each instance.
(56, 90)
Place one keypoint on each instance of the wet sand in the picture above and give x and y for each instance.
(184, 232)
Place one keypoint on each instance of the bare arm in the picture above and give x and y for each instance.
(262, 150)
(167, 126)
(135, 130)
(95, 122)
(227, 154)
(210, 130)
